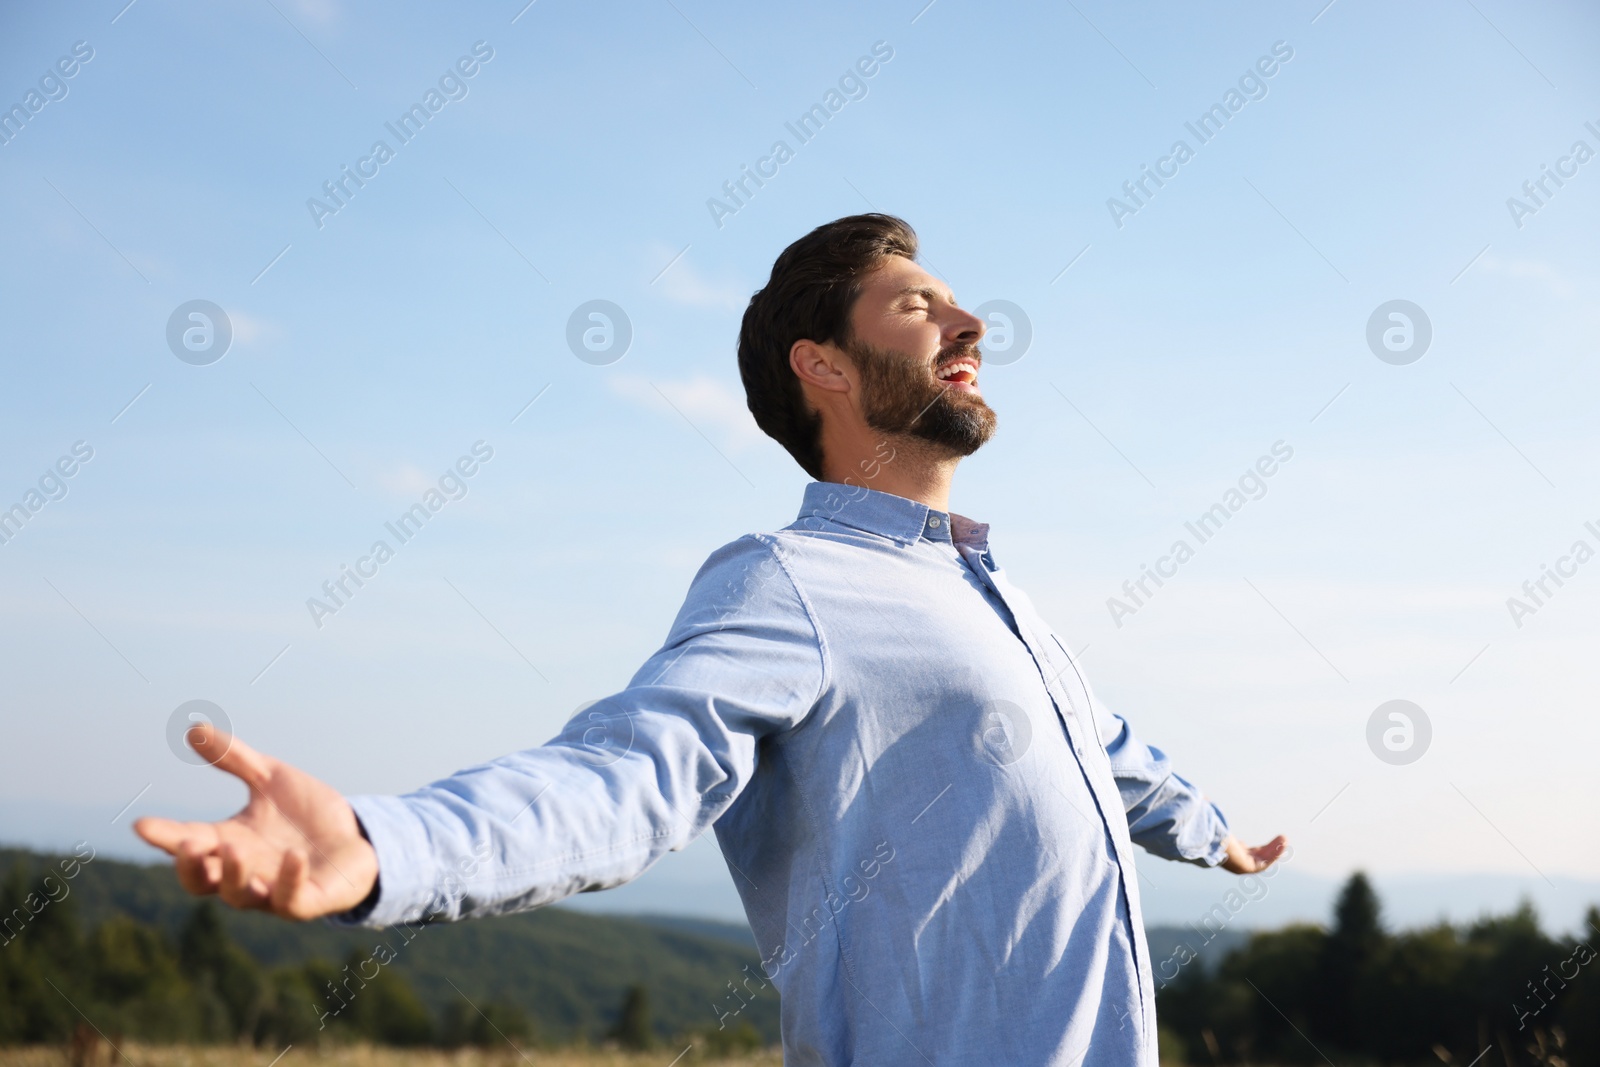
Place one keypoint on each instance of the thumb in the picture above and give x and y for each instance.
(227, 753)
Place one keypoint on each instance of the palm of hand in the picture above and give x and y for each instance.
(1242, 859)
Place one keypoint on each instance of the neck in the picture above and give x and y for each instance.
(901, 466)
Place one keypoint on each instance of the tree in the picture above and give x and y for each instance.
(1580, 1010)
(291, 1008)
(230, 988)
(633, 1029)
(31, 956)
(134, 984)
(1269, 989)
(1350, 958)
(383, 1008)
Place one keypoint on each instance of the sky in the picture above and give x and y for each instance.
(1357, 273)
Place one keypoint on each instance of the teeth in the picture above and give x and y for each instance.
(961, 365)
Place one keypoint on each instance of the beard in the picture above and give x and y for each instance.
(901, 396)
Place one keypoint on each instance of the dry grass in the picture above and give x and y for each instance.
(138, 1055)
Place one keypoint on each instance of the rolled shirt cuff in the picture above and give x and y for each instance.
(406, 889)
(1215, 850)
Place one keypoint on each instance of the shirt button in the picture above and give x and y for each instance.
(934, 522)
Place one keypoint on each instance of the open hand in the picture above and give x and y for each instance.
(1244, 860)
(295, 849)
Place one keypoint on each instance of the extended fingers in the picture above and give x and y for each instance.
(193, 848)
(241, 884)
(288, 897)
(198, 867)
(1268, 854)
(209, 865)
(168, 834)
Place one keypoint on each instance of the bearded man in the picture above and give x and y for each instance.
(929, 817)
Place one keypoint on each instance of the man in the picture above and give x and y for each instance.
(928, 816)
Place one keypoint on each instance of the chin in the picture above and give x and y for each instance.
(960, 428)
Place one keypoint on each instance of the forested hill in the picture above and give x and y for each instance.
(121, 945)
(553, 974)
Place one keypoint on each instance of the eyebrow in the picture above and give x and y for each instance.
(927, 291)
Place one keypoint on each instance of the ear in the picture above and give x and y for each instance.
(820, 366)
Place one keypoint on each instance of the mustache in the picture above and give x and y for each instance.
(959, 351)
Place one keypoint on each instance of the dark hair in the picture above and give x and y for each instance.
(813, 288)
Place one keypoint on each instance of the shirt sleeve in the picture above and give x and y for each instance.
(629, 778)
(1167, 815)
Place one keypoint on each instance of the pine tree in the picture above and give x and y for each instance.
(231, 988)
(633, 1029)
(1349, 957)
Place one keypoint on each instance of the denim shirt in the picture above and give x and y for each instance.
(928, 816)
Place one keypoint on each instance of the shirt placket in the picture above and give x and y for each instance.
(1066, 712)
(1107, 798)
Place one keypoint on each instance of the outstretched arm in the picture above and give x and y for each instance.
(637, 775)
(1167, 815)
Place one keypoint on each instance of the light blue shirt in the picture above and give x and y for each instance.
(929, 817)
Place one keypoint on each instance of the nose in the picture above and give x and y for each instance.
(964, 328)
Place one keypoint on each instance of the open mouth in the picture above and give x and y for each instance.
(961, 373)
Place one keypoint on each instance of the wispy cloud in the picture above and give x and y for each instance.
(404, 479)
(318, 12)
(683, 284)
(714, 408)
(1531, 269)
(248, 329)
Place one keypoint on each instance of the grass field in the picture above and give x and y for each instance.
(133, 1054)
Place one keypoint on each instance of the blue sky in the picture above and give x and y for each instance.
(1168, 353)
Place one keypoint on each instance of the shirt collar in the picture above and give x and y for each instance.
(895, 517)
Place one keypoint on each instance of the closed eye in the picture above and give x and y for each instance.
(923, 298)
